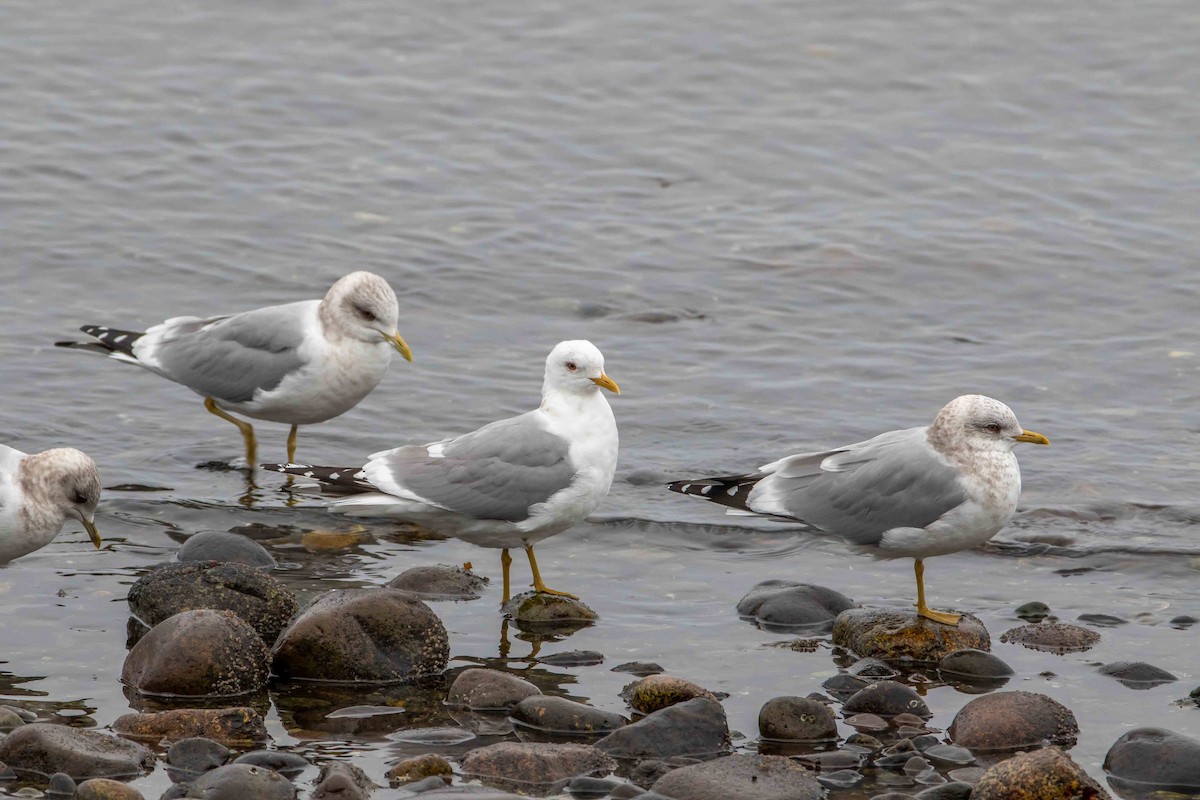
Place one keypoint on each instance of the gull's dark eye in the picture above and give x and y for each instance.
(992, 427)
(365, 313)
(572, 366)
(78, 498)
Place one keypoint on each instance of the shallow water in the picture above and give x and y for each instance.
(787, 227)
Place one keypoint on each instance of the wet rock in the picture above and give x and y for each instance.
(949, 753)
(342, 781)
(886, 699)
(832, 760)
(1102, 620)
(1137, 674)
(60, 785)
(893, 634)
(42, 748)
(201, 653)
(639, 668)
(1183, 621)
(1047, 774)
(573, 658)
(9, 719)
(1154, 759)
(1013, 721)
(591, 787)
(366, 635)
(744, 776)
(440, 583)
(560, 715)
(437, 737)
(548, 610)
(844, 685)
(223, 546)
(867, 722)
(796, 719)
(106, 789)
(627, 791)
(259, 599)
(231, 726)
(459, 792)
(691, 728)
(864, 740)
(969, 775)
(655, 692)
(974, 664)
(520, 765)
(872, 669)
(489, 690)
(949, 791)
(289, 765)
(783, 606)
(411, 770)
(1033, 611)
(240, 782)
(1052, 637)
(195, 755)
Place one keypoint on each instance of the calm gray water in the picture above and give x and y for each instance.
(787, 226)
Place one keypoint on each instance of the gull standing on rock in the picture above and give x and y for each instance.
(511, 483)
(37, 494)
(298, 363)
(913, 493)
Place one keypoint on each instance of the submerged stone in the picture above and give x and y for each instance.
(441, 582)
(655, 692)
(236, 726)
(106, 789)
(560, 715)
(1137, 674)
(411, 770)
(1155, 759)
(482, 689)
(796, 719)
(886, 699)
(200, 653)
(341, 781)
(694, 727)
(1033, 611)
(1013, 721)
(196, 755)
(1052, 637)
(971, 664)
(781, 605)
(1047, 774)
(289, 765)
(742, 776)
(43, 748)
(521, 765)
(226, 547)
(550, 611)
(894, 634)
(639, 668)
(573, 658)
(240, 782)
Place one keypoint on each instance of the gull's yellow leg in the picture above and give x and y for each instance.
(245, 427)
(505, 562)
(291, 444)
(537, 584)
(944, 617)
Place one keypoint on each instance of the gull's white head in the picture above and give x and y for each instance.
(974, 422)
(60, 483)
(578, 367)
(363, 306)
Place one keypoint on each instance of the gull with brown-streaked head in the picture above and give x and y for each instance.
(298, 363)
(914, 493)
(37, 494)
(511, 483)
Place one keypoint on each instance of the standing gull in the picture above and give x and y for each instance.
(299, 363)
(913, 493)
(513, 482)
(37, 494)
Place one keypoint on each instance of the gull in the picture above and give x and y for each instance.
(298, 363)
(511, 483)
(913, 493)
(37, 494)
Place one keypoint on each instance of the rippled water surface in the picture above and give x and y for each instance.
(787, 226)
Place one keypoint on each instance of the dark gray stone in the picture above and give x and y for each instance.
(223, 546)
(196, 755)
(954, 790)
(560, 715)
(375, 635)
(1013, 721)
(784, 606)
(573, 658)
(341, 781)
(259, 599)
(744, 776)
(240, 782)
(1052, 637)
(796, 719)
(639, 668)
(200, 653)
(886, 699)
(693, 727)
(971, 664)
(42, 749)
(289, 765)
(441, 582)
(61, 785)
(1033, 611)
(534, 765)
(1137, 674)
(1156, 758)
(489, 690)
(843, 685)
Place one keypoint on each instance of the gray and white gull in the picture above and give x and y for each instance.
(298, 363)
(37, 494)
(914, 493)
(511, 483)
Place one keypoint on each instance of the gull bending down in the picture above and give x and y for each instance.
(37, 494)
(913, 493)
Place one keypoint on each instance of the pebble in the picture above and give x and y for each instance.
(1033, 611)
(974, 664)
(289, 765)
(548, 612)
(886, 699)
(47, 748)
(9, 719)
(639, 668)
(1102, 620)
(691, 728)
(655, 692)
(196, 755)
(338, 780)
(199, 653)
(436, 736)
(560, 715)
(841, 779)
(793, 719)
(872, 669)
(573, 658)
(411, 770)
(1013, 721)
(106, 789)
(743, 776)
(948, 791)
(482, 689)
(949, 753)
(783, 606)
(231, 726)
(1052, 637)
(524, 765)
(60, 785)
(239, 782)
(867, 722)
(1046, 774)
(224, 546)
(440, 583)
(1137, 674)
(1156, 758)
(591, 787)
(843, 685)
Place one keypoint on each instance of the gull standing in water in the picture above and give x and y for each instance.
(913, 493)
(298, 363)
(511, 483)
(37, 494)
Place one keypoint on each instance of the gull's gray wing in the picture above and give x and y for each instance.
(228, 358)
(498, 472)
(895, 480)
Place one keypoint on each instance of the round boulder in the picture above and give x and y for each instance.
(1013, 721)
(241, 782)
(1052, 637)
(655, 692)
(363, 635)
(223, 546)
(782, 606)
(1047, 774)
(1137, 674)
(237, 726)
(549, 612)
(106, 789)
(695, 727)
(42, 749)
(262, 601)
(560, 715)
(1155, 759)
(201, 653)
(886, 699)
(971, 664)
(796, 719)
(194, 756)
(441, 582)
(893, 634)
(480, 689)
(521, 765)
(744, 776)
